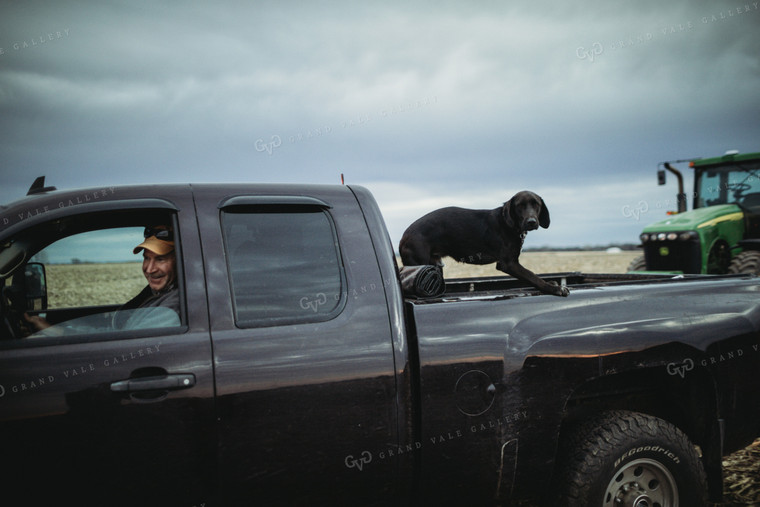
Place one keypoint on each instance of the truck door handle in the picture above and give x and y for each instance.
(157, 383)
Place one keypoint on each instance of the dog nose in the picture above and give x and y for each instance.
(531, 224)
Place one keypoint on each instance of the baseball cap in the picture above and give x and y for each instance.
(159, 239)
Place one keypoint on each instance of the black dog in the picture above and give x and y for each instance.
(480, 237)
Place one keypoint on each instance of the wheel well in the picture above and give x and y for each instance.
(715, 247)
(688, 403)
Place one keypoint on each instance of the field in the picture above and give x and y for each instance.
(550, 262)
(94, 284)
(98, 284)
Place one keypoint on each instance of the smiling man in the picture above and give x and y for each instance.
(160, 269)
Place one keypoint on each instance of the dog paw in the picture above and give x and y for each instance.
(557, 290)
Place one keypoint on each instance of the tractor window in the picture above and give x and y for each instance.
(728, 185)
(711, 189)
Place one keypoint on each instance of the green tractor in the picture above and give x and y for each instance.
(722, 233)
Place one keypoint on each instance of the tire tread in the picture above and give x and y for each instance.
(746, 262)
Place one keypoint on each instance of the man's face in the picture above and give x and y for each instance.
(158, 269)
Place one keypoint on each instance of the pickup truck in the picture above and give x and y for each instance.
(299, 372)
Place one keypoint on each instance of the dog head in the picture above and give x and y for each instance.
(525, 211)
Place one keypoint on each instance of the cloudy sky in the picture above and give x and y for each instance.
(427, 104)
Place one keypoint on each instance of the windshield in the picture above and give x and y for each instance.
(727, 185)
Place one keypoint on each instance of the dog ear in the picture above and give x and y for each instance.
(543, 217)
(506, 213)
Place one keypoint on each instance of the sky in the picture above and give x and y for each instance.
(427, 104)
(109, 245)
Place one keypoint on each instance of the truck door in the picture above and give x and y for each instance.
(94, 413)
(306, 392)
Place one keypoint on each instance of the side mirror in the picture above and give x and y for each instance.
(661, 177)
(35, 283)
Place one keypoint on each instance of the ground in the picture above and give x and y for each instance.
(550, 262)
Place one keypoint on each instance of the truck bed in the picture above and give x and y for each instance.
(494, 353)
(507, 287)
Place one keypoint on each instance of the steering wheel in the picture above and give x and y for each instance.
(738, 188)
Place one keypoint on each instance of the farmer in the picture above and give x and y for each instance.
(160, 270)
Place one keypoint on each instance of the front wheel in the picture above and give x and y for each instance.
(628, 459)
(638, 264)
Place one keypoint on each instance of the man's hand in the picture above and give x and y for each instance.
(36, 321)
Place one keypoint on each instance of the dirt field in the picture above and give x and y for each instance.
(550, 262)
(93, 284)
(116, 283)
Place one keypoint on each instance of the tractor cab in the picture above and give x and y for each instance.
(736, 181)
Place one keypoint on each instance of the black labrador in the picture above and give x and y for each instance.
(480, 237)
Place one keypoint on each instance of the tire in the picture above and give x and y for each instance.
(629, 459)
(746, 263)
(638, 264)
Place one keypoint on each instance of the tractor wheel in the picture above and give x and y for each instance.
(629, 459)
(638, 264)
(746, 263)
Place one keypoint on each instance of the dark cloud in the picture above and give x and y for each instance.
(465, 99)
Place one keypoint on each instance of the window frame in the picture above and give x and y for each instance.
(98, 219)
(282, 204)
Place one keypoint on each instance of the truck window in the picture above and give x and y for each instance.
(87, 279)
(284, 265)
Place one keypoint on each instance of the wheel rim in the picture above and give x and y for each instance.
(642, 483)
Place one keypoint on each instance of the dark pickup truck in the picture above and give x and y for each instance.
(298, 372)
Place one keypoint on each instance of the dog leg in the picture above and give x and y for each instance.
(518, 271)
